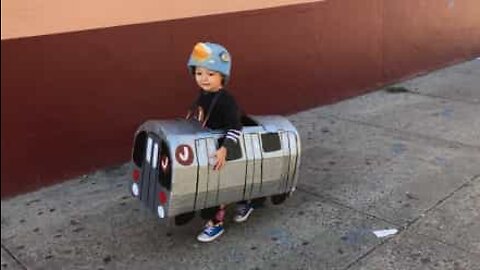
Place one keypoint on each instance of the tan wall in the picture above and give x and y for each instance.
(23, 18)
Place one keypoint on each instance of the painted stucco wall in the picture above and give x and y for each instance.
(23, 18)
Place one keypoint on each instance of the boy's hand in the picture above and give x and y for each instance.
(221, 156)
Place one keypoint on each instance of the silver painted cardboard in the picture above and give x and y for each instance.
(187, 150)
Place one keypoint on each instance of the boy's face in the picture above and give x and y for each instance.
(208, 80)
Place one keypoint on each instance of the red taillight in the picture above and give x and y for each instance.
(162, 197)
(135, 175)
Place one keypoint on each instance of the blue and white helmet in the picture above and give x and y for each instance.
(211, 56)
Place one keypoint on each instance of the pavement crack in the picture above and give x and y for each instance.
(13, 257)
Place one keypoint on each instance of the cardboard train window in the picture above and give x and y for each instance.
(165, 172)
(139, 148)
(270, 142)
(235, 153)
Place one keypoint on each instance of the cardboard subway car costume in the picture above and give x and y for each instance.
(173, 163)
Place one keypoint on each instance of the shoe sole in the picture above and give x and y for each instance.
(210, 239)
(243, 219)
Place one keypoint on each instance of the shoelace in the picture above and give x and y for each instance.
(209, 229)
(243, 211)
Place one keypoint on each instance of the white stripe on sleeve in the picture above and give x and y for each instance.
(231, 138)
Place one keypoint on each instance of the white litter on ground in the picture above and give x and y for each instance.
(385, 233)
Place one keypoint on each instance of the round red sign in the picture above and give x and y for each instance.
(184, 154)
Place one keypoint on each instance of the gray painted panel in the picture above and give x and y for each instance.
(233, 177)
(213, 175)
(250, 165)
(257, 176)
(285, 163)
(292, 146)
(145, 181)
(153, 178)
(294, 160)
(271, 172)
(202, 181)
(181, 204)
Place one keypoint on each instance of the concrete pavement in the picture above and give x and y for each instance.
(397, 158)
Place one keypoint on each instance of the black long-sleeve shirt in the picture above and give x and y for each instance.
(225, 115)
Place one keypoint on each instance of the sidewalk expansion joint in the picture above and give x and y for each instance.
(368, 252)
(405, 228)
(13, 257)
(474, 102)
(447, 244)
(405, 133)
(336, 202)
(439, 202)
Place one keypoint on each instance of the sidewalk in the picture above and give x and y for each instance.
(397, 158)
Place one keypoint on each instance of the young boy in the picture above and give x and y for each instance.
(215, 108)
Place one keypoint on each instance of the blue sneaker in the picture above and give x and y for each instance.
(210, 232)
(243, 212)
